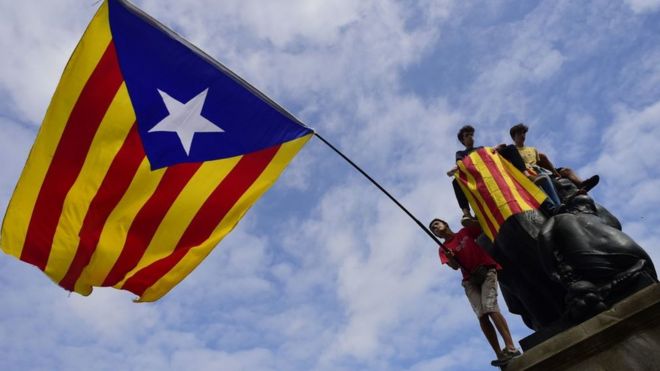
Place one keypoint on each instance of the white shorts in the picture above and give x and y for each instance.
(483, 298)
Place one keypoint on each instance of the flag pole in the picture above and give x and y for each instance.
(426, 230)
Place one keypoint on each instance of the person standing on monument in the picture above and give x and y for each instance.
(479, 281)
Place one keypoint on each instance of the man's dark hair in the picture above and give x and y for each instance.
(518, 128)
(465, 129)
(437, 220)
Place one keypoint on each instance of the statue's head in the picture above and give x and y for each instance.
(574, 200)
(577, 202)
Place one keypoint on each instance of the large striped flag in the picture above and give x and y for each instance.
(495, 189)
(149, 154)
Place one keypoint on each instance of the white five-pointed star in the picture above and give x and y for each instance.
(185, 119)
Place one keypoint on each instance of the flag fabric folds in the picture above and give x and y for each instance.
(495, 189)
(149, 154)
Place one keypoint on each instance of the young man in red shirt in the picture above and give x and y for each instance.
(479, 281)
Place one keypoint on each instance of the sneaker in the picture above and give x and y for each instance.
(588, 184)
(505, 357)
(500, 361)
(511, 352)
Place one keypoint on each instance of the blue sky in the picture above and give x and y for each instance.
(325, 273)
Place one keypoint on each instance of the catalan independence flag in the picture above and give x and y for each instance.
(149, 154)
(495, 189)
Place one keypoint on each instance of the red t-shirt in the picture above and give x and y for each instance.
(467, 252)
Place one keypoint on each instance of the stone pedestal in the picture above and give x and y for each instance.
(625, 337)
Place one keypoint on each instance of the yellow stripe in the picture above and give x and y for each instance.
(516, 197)
(491, 184)
(474, 196)
(107, 141)
(116, 227)
(477, 203)
(183, 210)
(527, 184)
(510, 175)
(198, 253)
(510, 181)
(473, 191)
(87, 54)
(477, 211)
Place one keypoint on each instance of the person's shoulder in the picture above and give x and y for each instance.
(464, 152)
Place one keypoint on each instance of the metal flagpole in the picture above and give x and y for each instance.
(426, 230)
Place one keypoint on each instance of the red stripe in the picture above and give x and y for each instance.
(483, 190)
(112, 189)
(148, 219)
(525, 194)
(499, 179)
(69, 156)
(463, 178)
(219, 203)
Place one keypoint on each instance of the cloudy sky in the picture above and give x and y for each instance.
(325, 273)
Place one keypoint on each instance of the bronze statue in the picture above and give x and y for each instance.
(593, 259)
(561, 265)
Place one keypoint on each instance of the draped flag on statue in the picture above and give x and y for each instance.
(149, 154)
(495, 189)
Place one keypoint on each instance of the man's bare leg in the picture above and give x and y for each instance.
(489, 331)
(503, 329)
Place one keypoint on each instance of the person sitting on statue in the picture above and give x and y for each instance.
(479, 281)
(537, 174)
(466, 137)
(538, 164)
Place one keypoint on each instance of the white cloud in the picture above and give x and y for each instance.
(111, 316)
(627, 143)
(37, 40)
(339, 278)
(15, 143)
(283, 23)
(643, 6)
(457, 357)
(626, 162)
(203, 360)
(641, 77)
(287, 22)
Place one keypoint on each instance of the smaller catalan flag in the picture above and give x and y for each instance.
(149, 154)
(495, 189)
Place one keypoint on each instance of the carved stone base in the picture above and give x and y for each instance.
(624, 337)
